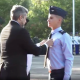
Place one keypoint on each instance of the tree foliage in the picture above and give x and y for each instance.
(38, 14)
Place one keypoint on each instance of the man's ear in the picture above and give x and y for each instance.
(20, 17)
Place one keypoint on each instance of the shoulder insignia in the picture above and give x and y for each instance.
(62, 32)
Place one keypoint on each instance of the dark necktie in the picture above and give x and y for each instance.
(46, 56)
(50, 36)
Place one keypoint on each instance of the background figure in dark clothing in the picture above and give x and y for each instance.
(1, 21)
(16, 44)
(36, 40)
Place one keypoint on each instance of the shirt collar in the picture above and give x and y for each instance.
(15, 21)
(56, 30)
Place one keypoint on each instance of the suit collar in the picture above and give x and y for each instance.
(15, 23)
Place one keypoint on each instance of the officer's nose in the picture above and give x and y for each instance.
(48, 20)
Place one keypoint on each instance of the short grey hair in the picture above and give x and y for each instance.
(16, 11)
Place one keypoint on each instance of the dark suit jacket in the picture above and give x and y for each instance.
(15, 45)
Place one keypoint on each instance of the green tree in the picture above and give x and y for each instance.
(38, 14)
(5, 7)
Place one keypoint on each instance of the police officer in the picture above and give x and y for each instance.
(60, 58)
(72, 38)
(76, 42)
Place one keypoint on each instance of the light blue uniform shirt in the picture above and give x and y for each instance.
(60, 54)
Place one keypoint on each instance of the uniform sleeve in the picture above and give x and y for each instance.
(67, 51)
(28, 45)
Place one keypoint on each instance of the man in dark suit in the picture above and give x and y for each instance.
(16, 44)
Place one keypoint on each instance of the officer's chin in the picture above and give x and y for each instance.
(49, 26)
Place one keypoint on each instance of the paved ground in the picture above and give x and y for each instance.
(40, 73)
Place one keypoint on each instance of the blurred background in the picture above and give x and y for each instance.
(38, 14)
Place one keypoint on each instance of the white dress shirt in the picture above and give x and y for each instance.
(76, 39)
(60, 54)
(29, 62)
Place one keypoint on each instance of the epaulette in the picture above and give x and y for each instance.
(62, 32)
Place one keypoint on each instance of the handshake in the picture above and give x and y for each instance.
(48, 42)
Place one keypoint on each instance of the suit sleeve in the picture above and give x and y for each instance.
(28, 45)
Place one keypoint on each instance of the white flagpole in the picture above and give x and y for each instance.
(73, 18)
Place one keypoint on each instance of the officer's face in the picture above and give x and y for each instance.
(53, 21)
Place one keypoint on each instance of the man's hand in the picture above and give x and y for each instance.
(49, 42)
(42, 42)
